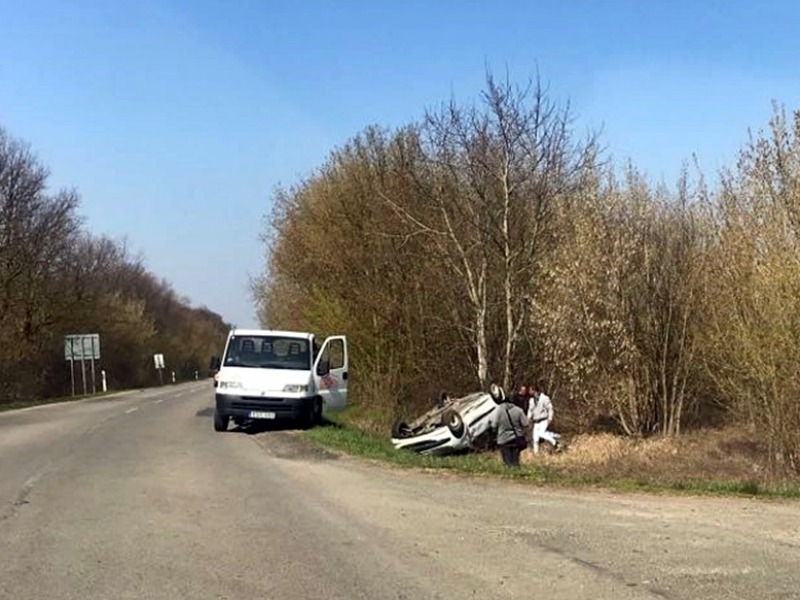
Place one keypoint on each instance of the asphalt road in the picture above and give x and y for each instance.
(136, 497)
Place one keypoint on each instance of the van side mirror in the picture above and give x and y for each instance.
(215, 363)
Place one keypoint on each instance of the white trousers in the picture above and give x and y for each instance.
(540, 433)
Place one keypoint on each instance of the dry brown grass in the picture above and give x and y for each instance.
(730, 454)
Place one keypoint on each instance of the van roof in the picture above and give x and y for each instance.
(275, 332)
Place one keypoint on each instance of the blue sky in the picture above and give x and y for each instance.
(175, 119)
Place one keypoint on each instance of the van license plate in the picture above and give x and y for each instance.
(257, 414)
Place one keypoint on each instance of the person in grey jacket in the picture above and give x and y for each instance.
(509, 423)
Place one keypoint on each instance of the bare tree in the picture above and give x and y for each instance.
(493, 175)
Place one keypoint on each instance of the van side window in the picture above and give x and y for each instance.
(336, 354)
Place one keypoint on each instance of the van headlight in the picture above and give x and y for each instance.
(230, 385)
(293, 388)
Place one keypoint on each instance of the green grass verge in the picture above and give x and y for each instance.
(336, 434)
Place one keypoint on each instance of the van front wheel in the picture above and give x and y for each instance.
(313, 415)
(220, 421)
(318, 411)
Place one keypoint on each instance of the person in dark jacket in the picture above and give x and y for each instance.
(510, 424)
(522, 398)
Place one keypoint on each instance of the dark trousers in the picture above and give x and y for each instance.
(510, 453)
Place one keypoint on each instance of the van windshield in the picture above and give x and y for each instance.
(268, 352)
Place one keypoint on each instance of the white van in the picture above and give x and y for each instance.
(267, 374)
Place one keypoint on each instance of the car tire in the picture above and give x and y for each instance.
(497, 393)
(400, 430)
(220, 421)
(453, 421)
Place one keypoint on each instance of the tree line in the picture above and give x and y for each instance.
(56, 279)
(490, 241)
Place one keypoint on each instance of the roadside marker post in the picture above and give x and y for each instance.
(158, 359)
(94, 378)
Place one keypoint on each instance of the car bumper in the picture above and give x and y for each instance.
(242, 407)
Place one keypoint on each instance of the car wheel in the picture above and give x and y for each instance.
(400, 430)
(454, 422)
(220, 421)
(497, 393)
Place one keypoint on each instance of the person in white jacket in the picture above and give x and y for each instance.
(540, 415)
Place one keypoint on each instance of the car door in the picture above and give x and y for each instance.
(330, 372)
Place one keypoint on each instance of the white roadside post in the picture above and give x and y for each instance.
(103, 380)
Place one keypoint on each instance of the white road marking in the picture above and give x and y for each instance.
(179, 395)
(159, 401)
(131, 410)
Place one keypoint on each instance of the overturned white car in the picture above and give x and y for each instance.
(460, 424)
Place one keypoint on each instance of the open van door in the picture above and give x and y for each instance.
(330, 372)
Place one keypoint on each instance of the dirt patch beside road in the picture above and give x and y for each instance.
(721, 455)
(291, 445)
